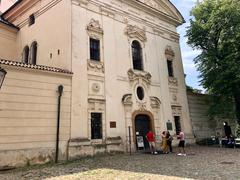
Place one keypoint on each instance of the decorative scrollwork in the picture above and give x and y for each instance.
(155, 102)
(96, 66)
(136, 75)
(127, 99)
(172, 81)
(95, 27)
(135, 32)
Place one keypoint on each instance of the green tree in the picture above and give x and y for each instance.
(215, 30)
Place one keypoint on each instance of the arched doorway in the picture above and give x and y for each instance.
(142, 126)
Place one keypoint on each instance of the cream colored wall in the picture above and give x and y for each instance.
(52, 31)
(28, 119)
(116, 52)
(8, 39)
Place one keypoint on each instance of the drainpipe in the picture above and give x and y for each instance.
(60, 91)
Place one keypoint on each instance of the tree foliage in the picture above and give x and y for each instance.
(215, 30)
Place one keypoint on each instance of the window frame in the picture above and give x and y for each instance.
(31, 19)
(33, 49)
(137, 57)
(97, 51)
(100, 133)
(170, 68)
(25, 55)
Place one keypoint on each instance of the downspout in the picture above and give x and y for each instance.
(60, 91)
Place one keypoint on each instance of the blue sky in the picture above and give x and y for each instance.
(188, 54)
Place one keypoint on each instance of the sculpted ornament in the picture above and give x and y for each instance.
(127, 99)
(172, 81)
(136, 75)
(95, 87)
(135, 32)
(176, 110)
(169, 53)
(174, 97)
(96, 66)
(142, 106)
(94, 26)
(151, 3)
(155, 102)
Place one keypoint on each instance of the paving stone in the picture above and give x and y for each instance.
(201, 163)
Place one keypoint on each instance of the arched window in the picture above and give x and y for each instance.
(25, 54)
(170, 68)
(137, 55)
(33, 56)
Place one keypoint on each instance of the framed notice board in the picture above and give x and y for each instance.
(140, 142)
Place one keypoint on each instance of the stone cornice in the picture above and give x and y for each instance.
(125, 14)
(19, 8)
(150, 10)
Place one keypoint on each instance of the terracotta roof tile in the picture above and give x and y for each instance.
(31, 66)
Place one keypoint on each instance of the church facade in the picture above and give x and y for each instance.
(120, 66)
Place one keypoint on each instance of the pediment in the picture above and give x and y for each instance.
(164, 6)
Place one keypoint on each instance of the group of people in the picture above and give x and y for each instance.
(166, 143)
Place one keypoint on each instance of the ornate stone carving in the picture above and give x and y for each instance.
(151, 3)
(176, 110)
(135, 32)
(142, 106)
(95, 66)
(96, 104)
(172, 81)
(155, 102)
(96, 87)
(174, 98)
(127, 99)
(94, 26)
(136, 75)
(169, 53)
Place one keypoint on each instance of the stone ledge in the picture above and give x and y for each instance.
(113, 140)
(79, 142)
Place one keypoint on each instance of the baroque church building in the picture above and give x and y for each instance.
(108, 70)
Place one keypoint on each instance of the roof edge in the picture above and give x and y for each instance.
(9, 9)
(184, 21)
(36, 67)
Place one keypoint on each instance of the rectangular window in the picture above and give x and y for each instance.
(31, 19)
(177, 124)
(96, 125)
(94, 49)
(170, 68)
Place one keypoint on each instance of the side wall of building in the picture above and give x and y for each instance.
(51, 31)
(8, 42)
(28, 118)
(202, 126)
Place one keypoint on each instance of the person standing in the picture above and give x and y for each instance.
(169, 141)
(228, 134)
(181, 145)
(164, 142)
(151, 140)
(227, 130)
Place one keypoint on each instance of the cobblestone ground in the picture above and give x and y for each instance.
(200, 163)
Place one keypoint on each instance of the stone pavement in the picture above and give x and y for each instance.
(200, 163)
